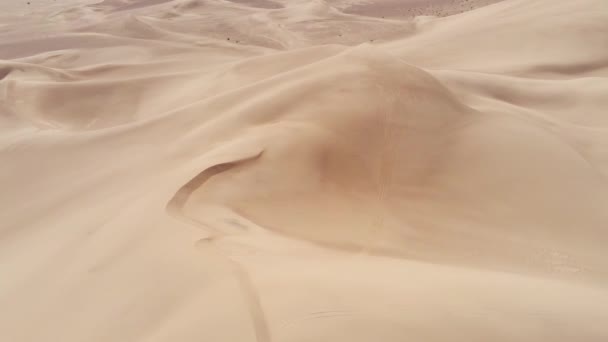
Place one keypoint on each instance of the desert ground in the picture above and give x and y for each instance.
(303, 170)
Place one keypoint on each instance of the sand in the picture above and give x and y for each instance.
(295, 170)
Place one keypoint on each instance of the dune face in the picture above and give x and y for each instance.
(270, 170)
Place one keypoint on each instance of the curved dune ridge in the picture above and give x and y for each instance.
(270, 170)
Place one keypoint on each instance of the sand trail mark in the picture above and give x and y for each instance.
(247, 288)
(383, 179)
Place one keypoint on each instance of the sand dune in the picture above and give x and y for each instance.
(270, 170)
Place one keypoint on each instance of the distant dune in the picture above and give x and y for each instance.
(291, 170)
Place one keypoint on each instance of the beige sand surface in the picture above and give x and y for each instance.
(299, 171)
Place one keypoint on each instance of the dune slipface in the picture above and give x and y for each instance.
(267, 170)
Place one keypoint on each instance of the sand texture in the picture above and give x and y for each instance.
(303, 170)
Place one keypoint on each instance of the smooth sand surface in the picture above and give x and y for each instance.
(303, 170)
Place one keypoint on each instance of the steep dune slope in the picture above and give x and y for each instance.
(297, 171)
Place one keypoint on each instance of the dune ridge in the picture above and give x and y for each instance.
(340, 170)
